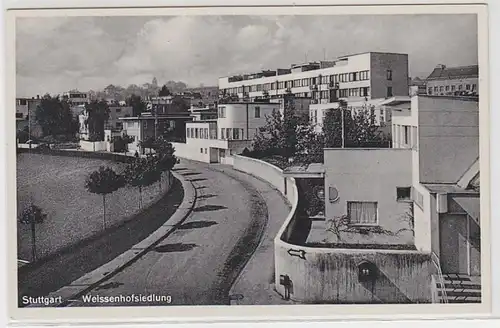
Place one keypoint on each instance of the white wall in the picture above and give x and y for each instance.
(236, 117)
(371, 175)
(93, 146)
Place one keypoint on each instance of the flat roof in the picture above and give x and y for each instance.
(312, 170)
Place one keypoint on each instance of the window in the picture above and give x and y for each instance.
(242, 134)
(222, 134)
(205, 150)
(436, 89)
(389, 91)
(222, 112)
(343, 93)
(362, 212)
(403, 194)
(236, 134)
(364, 91)
(452, 88)
(447, 88)
(406, 135)
(23, 102)
(467, 87)
(474, 87)
(196, 133)
(257, 112)
(201, 150)
(206, 133)
(389, 75)
(355, 76)
(228, 133)
(429, 91)
(188, 132)
(459, 87)
(441, 89)
(118, 110)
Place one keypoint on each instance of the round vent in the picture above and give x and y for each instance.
(333, 194)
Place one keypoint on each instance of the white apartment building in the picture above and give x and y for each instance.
(76, 98)
(363, 80)
(215, 140)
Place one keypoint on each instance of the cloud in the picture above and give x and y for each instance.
(56, 54)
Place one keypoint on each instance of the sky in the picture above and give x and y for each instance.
(56, 54)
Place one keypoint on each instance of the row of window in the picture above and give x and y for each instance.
(354, 92)
(225, 133)
(459, 87)
(222, 112)
(305, 82)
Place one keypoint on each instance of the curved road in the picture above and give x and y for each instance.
(198, 263)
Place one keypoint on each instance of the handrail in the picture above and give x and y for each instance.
(435, 260)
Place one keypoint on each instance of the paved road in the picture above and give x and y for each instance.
(65, 267)
(197, 264)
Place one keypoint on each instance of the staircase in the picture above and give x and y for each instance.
(459, 288)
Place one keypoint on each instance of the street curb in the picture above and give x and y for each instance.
(94, 278)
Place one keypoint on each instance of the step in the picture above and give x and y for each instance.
(450, 293)
(451, 285)
(464, 300)
(461, 278)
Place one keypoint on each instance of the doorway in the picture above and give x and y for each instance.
(459, 245)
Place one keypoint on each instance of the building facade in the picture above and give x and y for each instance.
(449, 81)
(236, 125)
(76, 98)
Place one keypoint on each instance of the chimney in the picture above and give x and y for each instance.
(441, 66)
(37, 96)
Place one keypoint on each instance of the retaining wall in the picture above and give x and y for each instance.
(94, 146)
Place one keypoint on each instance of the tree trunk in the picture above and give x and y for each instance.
(104, 211)
(140, 197)
(33, 241)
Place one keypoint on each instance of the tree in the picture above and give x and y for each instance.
(148, 142)
(137, 104)
(358, 128)
(98, 115)
(142, 172)
(102, 182)
(283, 133)
(121, 143)
(32, 215)
(54, 117)
(164, 91)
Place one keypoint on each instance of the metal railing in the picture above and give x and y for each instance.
(435, 260)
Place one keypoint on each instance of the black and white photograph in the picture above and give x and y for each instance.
(288, 158)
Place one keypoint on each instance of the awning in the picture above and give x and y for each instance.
(471, 205)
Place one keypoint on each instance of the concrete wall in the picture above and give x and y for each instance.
(93, 146)
(380, 63)
(371, 175)
(132, 129)
(261, 169)
(448, 138)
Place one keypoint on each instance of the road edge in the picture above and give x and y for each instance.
(89, 281)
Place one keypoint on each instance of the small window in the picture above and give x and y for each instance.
(429, 91)
(474, 87)
(467, 87)
(389, 75)
(205, 150)
(447, 88)
(389, 91)
(201, 150)
(403, 194)
(362, 213)
(257, 112)
(452, 88)
(460, 87)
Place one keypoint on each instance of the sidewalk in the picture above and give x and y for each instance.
(256, 281)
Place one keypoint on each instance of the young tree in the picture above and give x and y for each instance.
(102, 182)
(98, 114)
(137, 104)
(335, 128)
(32, 215)
(142, 172)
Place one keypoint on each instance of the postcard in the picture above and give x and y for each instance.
(248, 162)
